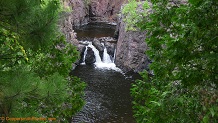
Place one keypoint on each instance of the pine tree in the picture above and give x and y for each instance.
(35, 61)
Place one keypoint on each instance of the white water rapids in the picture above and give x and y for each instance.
(106, 63)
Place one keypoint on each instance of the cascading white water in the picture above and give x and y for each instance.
(96, 53)
(106, 57)
(114, 55)
(107, 63)
(84, 56)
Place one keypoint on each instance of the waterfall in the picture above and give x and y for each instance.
(84, 56)
(106, 63)
(106, 57)
(114, 55)
(96, 52)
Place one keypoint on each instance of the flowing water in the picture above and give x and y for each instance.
(107, 94)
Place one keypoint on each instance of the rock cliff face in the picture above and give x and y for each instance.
(66, 25)
(80, 12)
(131, 49)
(66, 28)
(85, 11)
(104, 10)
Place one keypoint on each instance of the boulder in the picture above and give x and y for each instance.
(108, 42)
(110, 48)
(90, 56)
(97, 43)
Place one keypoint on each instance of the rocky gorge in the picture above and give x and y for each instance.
(126, 47)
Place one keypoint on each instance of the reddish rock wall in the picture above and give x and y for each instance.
(84, 11)
(105, 10)
(131, 47)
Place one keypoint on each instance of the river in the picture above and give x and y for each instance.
(107, 94)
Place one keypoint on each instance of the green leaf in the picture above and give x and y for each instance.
(156, 103)
(212, 112)
(206, 119)
(194, 2)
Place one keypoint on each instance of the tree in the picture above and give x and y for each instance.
(35, 61)
(182, 41)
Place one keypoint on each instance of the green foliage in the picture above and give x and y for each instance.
(12, 52)
(133, 13)
(35, 61)
(131, 17)
(23, 17)
(183, 48)
(59, 57)
(27, 95)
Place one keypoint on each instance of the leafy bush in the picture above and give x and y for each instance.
(35, 61)
(133, 13)
(182, 40)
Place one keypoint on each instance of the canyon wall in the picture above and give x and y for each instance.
(131, 47)
(85, 11)
(82, 12)
(104, 10)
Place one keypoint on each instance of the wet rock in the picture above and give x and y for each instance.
(110, 48)
(90, 56)
(97, 43)
(108, 42)
(108, 39)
